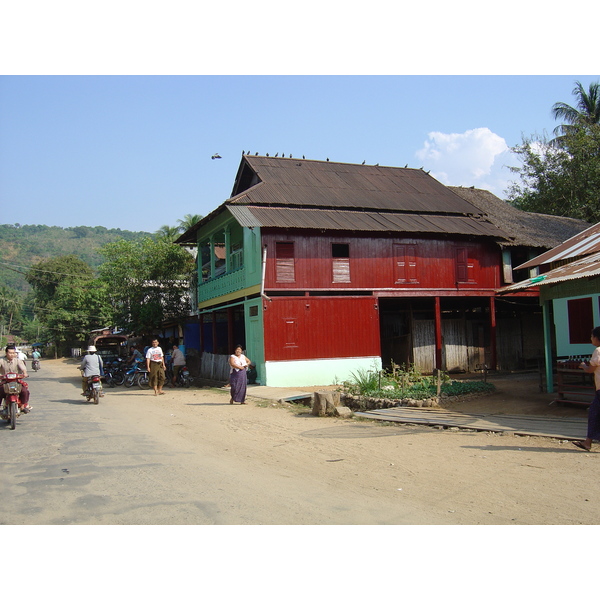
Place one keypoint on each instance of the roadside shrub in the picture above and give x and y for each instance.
(407, 383)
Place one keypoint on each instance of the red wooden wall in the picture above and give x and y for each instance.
(307, 327)
(383, 262)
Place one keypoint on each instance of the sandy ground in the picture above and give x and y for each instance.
(299, 469)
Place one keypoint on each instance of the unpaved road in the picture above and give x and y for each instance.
(188, 457)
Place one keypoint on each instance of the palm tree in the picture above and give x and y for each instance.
(188, 221)
(586, 114)
(168, 233)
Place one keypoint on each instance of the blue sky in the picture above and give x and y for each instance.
(134, 152)
(110, 113)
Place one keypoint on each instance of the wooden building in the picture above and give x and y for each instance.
(568, 280)
(321, 269)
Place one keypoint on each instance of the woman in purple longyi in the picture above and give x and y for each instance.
(238, 378)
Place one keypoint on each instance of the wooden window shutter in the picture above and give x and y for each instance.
(284, 262)
(464, 269)
(405, 263)
(340, 256)
(581, 320)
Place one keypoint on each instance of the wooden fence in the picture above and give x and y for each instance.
(214, 366)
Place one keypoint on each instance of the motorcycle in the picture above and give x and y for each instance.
(35, 364)
(12, 389)
(184, 379)
(114, 372)
(138, 374)
(94, 389)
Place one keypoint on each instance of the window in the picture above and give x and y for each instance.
(340, 255)
(464, 267)
(405, 263)
(581, 320)
(284, 262)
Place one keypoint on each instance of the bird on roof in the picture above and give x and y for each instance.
(215, 155)
(267, 154)
(406, 165)
(276, 154)
(377, 164)
(290, 156)
(328, 160)
(364, 161)
(304, 156)
(256, 154)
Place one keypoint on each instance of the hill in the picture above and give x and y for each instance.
(25, 245)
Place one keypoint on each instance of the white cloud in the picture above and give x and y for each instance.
(476, 157)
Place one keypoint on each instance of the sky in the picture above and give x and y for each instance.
(110, 112)
(134, 152)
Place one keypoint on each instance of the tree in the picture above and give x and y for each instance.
(586, 114)
(188, 222)
(168, 233)
(562, 179)
(69, 301)
(148, 282)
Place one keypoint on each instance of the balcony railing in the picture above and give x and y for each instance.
(223, 284)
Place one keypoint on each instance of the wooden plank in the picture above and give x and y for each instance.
(568, 428)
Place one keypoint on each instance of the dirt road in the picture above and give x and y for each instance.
(189, 457)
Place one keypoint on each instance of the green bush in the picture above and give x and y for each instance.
(408, 382)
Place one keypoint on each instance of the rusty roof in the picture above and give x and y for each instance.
(582, 244)
(588, 266)
(307, 194)
(372, 221)
(533, 230)
(287, 181)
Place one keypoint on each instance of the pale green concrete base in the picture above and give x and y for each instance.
(331, 371)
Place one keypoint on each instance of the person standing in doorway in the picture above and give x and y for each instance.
(155, 363)
(593, 430)
(238, 378)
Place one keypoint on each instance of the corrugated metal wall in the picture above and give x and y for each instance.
(310, 327)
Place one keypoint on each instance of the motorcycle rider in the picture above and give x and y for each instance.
(35, 355)
(12, 364)
(91, 364)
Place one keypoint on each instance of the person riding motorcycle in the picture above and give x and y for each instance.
(91, 364)
(11, 364)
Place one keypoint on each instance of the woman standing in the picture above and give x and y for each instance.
(237, 375)
(593, 432)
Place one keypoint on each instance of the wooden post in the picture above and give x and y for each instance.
(438, 333)
(493, 359)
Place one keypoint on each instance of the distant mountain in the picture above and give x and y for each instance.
(24, 245)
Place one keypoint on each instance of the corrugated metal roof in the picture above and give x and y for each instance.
(348, 220)
(288, 181)
(589, 266)
(534, 230)
(325, 195)
(586, 242)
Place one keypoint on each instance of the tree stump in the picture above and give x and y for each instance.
(325, 403)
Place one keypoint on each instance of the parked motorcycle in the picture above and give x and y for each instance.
(184, 379)
(94, 389)
(114, 372)
(12, 389)
(138, 374)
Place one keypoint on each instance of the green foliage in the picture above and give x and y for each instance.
(562, 180)
(148, 282)
(68, 300)
(407, 382)
(561, 176)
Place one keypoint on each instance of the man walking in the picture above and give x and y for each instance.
(155, 363)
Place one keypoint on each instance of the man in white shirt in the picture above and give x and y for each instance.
(155, 363)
